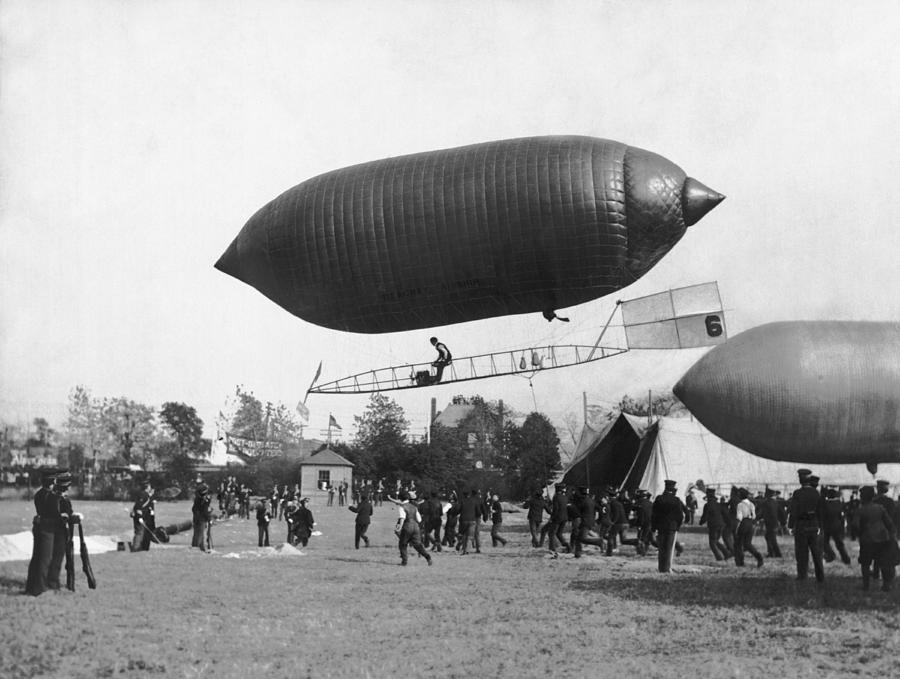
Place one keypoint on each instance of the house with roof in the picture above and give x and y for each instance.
(322, 469)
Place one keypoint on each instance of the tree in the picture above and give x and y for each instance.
(485, 424)
(381, 433)
(83, 423)
(532, 454)
(248, 420)
(185, 425)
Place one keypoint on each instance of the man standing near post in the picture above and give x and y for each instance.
(668, 515)
(144, 515)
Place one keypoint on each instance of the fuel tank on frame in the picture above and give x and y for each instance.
(822, 392)
(504, 227)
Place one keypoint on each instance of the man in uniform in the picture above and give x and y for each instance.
(619, 521)
(201, 512)
(644, 522)
(55, 517)
(587, 518)
(469, 509)
(33, 585)
(144, 516)
(263, 516)
(805, 522)
(535, 506)
(407, 529)
(559, 515)
(668, 515)
(712, 517)
(833, 525)
(496, 521)
(363, 511)
(771, 513)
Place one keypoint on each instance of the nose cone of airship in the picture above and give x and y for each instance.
(697, 199)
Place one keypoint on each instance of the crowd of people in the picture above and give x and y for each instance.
(571, 520)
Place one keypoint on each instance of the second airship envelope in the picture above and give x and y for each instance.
(505, 227)
(806, 391)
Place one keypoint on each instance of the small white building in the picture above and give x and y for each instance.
(322, 469)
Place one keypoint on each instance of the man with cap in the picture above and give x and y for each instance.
(619, 520)
(559, 515)
(535, 506)
(882, 498)
(263, 516)
(770, 511)
(144, 516)
(587, 516)
(469, 509)
(32, 585)
(746, 516)
(877, 538)
(644, 521)
(712, 517)
(201, 513)
(805, 521)
(301, 523)
(363, 511)
(833, 525)
(668, 515)
(55, 517)
(408, 530)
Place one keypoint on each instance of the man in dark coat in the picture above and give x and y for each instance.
(144, 515)
(33, 585)
(644, 522)
(451, 538)
(263, 516)
(833, 525)
(587, 517)
(619, 521)
(535, 506)
(55, 515)
(301, 523)
(770, 511)
(435, 518)
(201, 512)
(559, 515)
(469, 510)
(712, 517)
(668, 515)
(363, 512)
(805, 521)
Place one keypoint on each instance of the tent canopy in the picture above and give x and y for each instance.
(630, 454)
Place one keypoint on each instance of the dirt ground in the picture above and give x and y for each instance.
(333, 611)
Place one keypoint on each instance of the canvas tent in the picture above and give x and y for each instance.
(630, 453)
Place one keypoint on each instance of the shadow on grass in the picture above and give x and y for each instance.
(837, 592)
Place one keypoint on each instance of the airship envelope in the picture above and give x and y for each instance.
(504, 227)
(822, 392)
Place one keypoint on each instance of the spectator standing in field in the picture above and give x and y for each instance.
(644, 522)
(408, 529)
(330, 494)
(668, 515)
(263, 516)
(877, 539)
(771, 513)
(143, 513)
(274, 498)
(201, 512)
(470, 507)
(690, 503)
(363, 511)
(619, 521)
(451, 537)
(833, 525)
(712, 517)
(496, 521)
(746, 516)
(805, 522)
(849, 511)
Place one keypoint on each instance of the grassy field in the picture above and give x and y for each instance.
(334, 611)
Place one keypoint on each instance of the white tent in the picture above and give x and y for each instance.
(630, 453)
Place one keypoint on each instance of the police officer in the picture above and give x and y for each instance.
(805, 521)
(668, 515)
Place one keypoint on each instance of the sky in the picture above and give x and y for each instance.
(137, 138)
